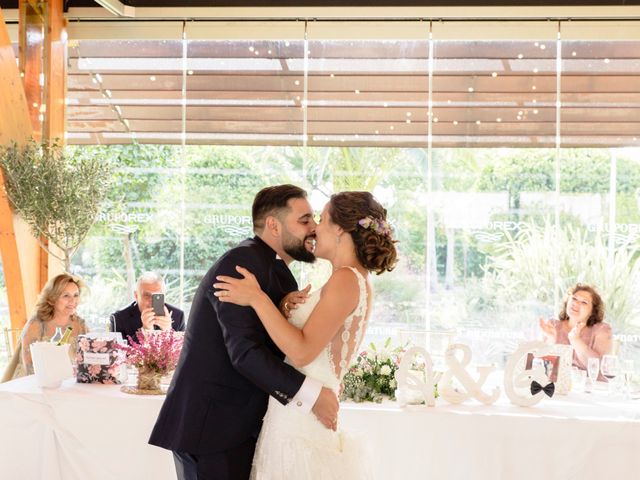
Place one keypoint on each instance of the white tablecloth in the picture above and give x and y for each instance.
(78, 432)
(87, 432)
(579, 436)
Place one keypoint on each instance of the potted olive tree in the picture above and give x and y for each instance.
(58, 192)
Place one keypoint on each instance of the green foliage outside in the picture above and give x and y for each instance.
(176, 210)
(56, 193)
(500, 281)
(523, 268)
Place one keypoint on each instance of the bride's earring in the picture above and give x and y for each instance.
(337, 238)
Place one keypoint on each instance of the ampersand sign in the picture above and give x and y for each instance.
(409, 381)
(471, 388)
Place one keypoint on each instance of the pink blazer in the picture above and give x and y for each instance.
(596, 337)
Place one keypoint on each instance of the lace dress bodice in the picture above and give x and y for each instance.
(330, 366)
(294, 445)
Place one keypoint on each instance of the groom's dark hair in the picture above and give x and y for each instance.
(272, 201)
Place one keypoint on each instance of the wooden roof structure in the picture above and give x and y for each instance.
(363, 92)
(375, 79)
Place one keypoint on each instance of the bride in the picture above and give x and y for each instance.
(321, 339)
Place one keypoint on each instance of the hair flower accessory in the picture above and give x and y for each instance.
(381, 227)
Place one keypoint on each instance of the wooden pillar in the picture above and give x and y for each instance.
(15, 126)
(54, 101)
(31, 64)
(55, 71)
(31, 31)
(33, 107)
(43, 64)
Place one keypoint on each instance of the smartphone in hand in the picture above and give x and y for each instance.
(157, 303)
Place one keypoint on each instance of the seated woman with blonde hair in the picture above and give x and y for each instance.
(580, 324)
(55, 307)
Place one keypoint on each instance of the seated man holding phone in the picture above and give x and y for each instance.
(148, 311)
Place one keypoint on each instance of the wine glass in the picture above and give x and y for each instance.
(593, 367)
(609, 369)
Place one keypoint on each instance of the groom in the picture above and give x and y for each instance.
(229, 366)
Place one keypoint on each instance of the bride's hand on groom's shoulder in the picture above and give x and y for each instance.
(292, 300)
(241, 291)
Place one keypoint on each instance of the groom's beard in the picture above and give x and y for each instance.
(296, 248)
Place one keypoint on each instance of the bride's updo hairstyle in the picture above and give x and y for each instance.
(359, 214)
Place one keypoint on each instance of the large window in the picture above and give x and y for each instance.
(506, 153)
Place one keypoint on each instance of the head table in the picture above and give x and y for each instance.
(90, 432)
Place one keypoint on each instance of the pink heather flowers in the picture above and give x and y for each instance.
(158, 351)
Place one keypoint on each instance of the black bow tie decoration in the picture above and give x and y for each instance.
(548, 389)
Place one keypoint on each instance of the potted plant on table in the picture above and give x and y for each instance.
(154, 354)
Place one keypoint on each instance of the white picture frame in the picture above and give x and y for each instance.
(561, 378)
(518, 378)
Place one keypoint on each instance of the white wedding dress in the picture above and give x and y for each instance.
(296, 446)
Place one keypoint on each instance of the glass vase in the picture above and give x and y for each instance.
(149, 381)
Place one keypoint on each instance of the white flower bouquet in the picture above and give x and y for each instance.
(371, 377)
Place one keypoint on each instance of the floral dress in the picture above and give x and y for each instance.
(25, 365)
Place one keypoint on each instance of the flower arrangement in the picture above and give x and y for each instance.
(371, 377)
(381, 227)
(156, 352)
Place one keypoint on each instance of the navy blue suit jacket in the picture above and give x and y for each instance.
(128, 320)
(228, 366)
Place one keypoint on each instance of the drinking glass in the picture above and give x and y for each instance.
(578, 378)
(593, 367)
(609, 369)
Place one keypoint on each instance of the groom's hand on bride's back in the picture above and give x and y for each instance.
(326, 408)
